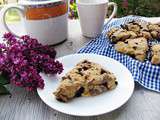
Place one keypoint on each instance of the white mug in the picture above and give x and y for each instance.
(92, 14)
(47, 21)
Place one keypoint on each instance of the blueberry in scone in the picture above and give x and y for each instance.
(86, 79)
(136, 47)
(155, 54)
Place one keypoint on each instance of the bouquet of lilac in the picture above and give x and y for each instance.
(21, 61)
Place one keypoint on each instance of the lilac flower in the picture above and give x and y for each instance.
(23, 59)
(10, 38)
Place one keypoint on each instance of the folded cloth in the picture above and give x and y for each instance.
(144, 73)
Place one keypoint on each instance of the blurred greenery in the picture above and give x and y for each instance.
(148, 8)
(4, 81)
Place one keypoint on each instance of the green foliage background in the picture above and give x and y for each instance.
(148, 8)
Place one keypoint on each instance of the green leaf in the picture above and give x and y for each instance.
(3, 90)
(3, 80)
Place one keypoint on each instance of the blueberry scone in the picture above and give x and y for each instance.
(136, 48)
(134, 30)
(86, 79)
(132, 26)
(154, 30)
(146, 34)
(155, 54)
(116, 34)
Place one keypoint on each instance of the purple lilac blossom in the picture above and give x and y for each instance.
(24, 58)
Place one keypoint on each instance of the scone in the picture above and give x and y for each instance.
(131, 39)
(132, 26)
(154, 30)
(153, 27)
(146, 34)
(86, 79)
(136, 48)
(155, 54)
(111, 32)
(133, 30)
(116, 35)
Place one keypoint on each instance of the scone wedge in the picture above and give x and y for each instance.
(136, 48)
(86, 79)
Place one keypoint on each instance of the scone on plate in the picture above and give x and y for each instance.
(155, 54)
(136, 48)
(86, 79)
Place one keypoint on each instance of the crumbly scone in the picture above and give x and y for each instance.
(153, 27)
(112, 31)
(154, 30)
(86, 79)
(133, 30)
(134, 47)
(131, 38)
(132, 26)
(116, 35)
(146, 34)
(155, 54)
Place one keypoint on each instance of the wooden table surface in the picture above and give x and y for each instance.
(22, 105)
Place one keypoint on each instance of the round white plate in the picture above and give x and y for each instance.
(90, 106)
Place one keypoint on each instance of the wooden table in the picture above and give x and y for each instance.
(22, 105)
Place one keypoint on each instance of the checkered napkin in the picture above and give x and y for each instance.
(145, 73)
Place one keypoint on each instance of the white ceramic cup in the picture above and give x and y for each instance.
(47, 21)
(92, 14)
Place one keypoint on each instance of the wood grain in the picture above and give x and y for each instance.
(22, 105)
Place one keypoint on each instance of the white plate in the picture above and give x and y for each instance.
(90, 106)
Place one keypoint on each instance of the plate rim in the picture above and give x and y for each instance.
(101, 113)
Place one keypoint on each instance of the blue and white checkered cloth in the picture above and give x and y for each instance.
(144, 73)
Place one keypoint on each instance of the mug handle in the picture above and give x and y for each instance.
(114, 10)
(4, 11)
